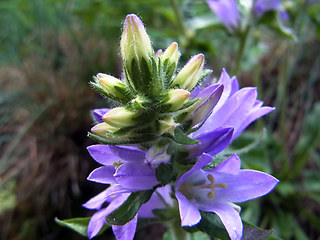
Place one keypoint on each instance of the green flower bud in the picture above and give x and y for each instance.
(190, 74)
(167, 125)
(119, 117)
(171, 54)
(175, 99)
(113, 86)
(101, 129)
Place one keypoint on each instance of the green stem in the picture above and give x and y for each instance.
(242, 45)
(177, 231)
(178, 14)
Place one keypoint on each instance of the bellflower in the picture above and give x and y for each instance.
(226, 111)
(217, 190)
(262, 6)
(126, 167)
(226, 11)
(115, 200)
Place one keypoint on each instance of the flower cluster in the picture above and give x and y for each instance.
(158, 148)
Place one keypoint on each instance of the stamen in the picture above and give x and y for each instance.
(117, 164)
(212, 186)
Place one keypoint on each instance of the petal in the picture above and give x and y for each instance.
(136, 176)
(230, 165)
(128, 153)
(115, 190)
(103, 175)
(155, 202)
(97, 201)
(254, 115)
(127, 231)
(203, 160)
(246, 185)
(189, 213)
(102, 154)
(229, 217)
(98, 113)
(211, 142)
(98, 219)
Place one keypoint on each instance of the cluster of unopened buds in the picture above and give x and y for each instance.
(162, 148)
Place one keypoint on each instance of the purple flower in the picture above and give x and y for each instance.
(227, 12)
(115, 199)
(98, 113)
(262, 6)
(217, 190)
(235, 109)
(126, 167)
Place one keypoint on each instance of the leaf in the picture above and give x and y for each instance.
(126, 212)
(79, 225)
(182, 138)
(252, 232)
(164, 173)
(272, 20)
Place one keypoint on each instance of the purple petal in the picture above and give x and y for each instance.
(136, 176)
(98, 219)
(229, 217)
(102, 154)
(233, 112)
(128, 153)
(211, 142)
(202, 161)
(227, 12)
(98, 113)
(103, 175)
(127, 231)
(246, 185)
(254, 115)
(189, 213)
(230, 165)
(97, 201)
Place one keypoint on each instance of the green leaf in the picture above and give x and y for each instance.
(189, 103)
(164, 173)
(211, 224)
(126, 212)
(272, 20)
(182, 138)
(252, 232)
(79, 225)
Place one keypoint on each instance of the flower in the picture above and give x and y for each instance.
(217, 190)
(128, 168)
(225, 112)
(227, 12)
(115, 200)
(262, 6)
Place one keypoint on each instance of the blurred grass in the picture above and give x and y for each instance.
(50, 50)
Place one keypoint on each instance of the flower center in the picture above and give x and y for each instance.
(212, 186)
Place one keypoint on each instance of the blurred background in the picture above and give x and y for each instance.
(49, 51)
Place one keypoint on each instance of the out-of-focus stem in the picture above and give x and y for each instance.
(243, 37)
(178, 14)
(177, 232)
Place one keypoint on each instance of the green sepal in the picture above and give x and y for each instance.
(189, 103)
(116, 140)
(180, 117)
(164, 173)
(127, 211)
(272, 20)
(211, 224)
(126, 95)
(205, 73)
(79, 225)
(182, 138)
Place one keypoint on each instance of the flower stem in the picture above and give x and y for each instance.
(242, 45)
(177, 231)
(178, 16)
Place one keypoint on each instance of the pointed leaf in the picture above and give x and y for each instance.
(182, 138)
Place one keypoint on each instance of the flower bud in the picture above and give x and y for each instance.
(101, 129)
(167, 125)
(159, 53)
(113, 86)
(171, 54)
(190, 74)
(175, 99)
(119, 117)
